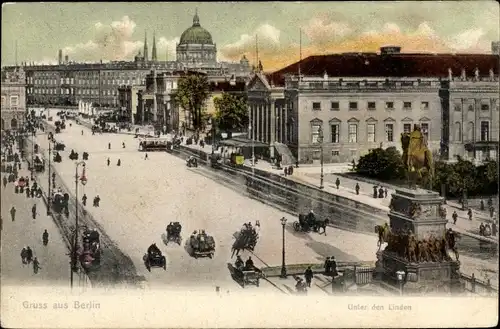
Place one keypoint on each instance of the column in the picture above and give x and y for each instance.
(272, 116)
(265, 121)
(257, 122)
(249, 111)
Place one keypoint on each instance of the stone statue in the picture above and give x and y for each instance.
(463, 75)
(450, 74)
(476, 74)
(423, 251)
(492, 75)
(411, 251)
(417, 158)
(415, 210)
(261, 68)
(442, 212)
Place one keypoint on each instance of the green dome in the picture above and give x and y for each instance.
(196, 34)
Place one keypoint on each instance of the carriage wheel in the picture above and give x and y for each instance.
(296, 226)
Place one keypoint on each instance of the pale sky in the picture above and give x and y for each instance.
(115, 31)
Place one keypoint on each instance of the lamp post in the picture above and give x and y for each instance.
(283, 266)
(32, 167)
(320, 141)
(83, 180)
(400, 275)
(49, 197)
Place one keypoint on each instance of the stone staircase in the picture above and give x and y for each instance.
(287, 159)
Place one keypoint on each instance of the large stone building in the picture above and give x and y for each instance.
(362, 101)
(13, 99)
(156, 100)
(68, 82)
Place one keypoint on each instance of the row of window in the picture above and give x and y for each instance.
(352, 132)
(485, 131)
(14, 101)
(484, 107)
(71, 91)
(372, 106)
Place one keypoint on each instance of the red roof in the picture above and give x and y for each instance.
(389, 65)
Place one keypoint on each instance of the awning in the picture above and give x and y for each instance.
(242, 142)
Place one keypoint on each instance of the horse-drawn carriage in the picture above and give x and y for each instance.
(38, 163)
(73, 155)
(20, 184)
(310, 221)
(216, 160)
(59, 146)
(60, 202)
(174, 233)
(192, 162)
(91, 253)
(246, 238)
(247, 273)
(154, 258)
(57, 157)
(202, 245)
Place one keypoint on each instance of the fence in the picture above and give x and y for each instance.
(477, 286)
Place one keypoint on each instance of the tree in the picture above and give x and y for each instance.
(192, 91)
(231, 112)
(381, 164)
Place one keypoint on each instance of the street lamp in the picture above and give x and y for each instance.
(400, 275)
(83, 181)
(320, 141)
(49, 197)
(283, 266)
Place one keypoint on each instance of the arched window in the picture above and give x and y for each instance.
(13, 124)
(470, 131)
(458, 131)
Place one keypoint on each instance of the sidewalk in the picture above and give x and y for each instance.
(310, 175)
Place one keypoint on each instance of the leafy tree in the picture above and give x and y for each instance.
(381, 164)
(192, 91)
(231, 112)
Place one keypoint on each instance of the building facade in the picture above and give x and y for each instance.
(364, 101)
(13, 99)
(68, 82)
(157, 105)
(128, 101)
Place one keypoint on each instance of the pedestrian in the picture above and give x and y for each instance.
(33, 211)
(82, 132)
(28, 192)
(357, 188)
(29, 254)
(481, 205)
(290, 170)
(123, 144)
(285, 170)
(385, 192)
(380, 193)
(24, 254)
(119, 163)
(13, 213)
(327, 266)
(469, 213)
(146, 157)
(308, 274)
(109, 161)
(492, 211)
(337, 183)
(109, 146)
(36, 265)
(4, 181)
(455, 217)
(490, 202)
(375, 191)
(84, 199)
(33, 190)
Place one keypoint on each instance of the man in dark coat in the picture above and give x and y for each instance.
(308, 274)
(357, 188)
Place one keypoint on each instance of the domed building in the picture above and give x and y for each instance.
(196, 45)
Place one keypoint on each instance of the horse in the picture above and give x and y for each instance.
(417, 158)
(244, 241)
(321, 223)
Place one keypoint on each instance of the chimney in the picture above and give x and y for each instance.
(66, 59)
(388, 50)
(60, 56)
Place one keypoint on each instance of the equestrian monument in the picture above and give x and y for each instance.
(417, 240)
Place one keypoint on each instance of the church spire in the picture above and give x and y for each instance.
(196, 19)
(153, 55)
(145, 47)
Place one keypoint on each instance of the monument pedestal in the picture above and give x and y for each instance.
(417, 212)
